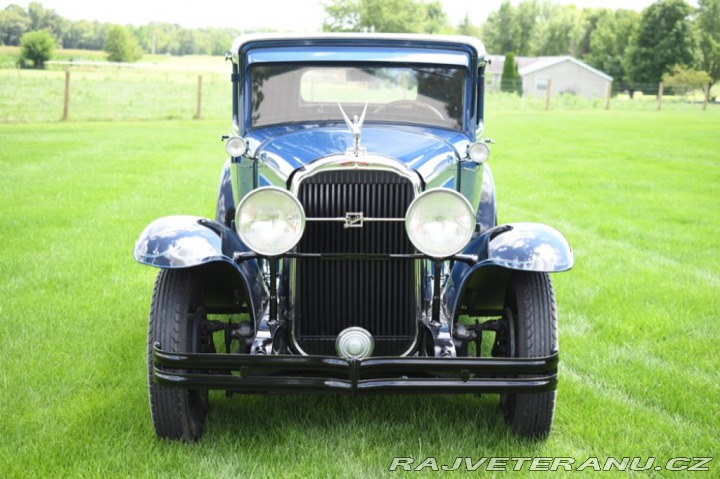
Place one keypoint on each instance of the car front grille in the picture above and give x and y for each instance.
(380, 295)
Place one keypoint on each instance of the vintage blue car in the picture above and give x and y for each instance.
(355, 247)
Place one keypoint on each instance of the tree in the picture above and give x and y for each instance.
(38, 47)
(526, 18)
(342, 16)
(664, 38)
(708, 21)
(79, 35)
(121, 45)
(45, 19)
(684, 79)
(500, 32)
(592, 17)
(13, 23)
(560, 31)
(389, 16)
(436, 19)
(187, 41)
(510, 81)
(538, 28)
(609, 42)
(467, 28)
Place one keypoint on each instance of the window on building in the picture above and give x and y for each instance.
(541, 83)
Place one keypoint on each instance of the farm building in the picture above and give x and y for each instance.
(565, 74)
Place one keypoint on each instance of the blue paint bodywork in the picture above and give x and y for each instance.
(428, 151)
(479, 289)
(175, 242)
(438, 156)
(353, 306)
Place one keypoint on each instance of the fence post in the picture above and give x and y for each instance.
(198, 104)
(609, 95)
(549, 93)
(660, 94)
(707, 97)
(66, 102)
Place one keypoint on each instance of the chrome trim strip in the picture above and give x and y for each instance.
(347, 160)
(357, 220)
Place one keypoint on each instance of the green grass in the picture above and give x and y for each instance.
(154, 91)
(636, 193)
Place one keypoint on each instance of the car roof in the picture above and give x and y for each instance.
(408, 40)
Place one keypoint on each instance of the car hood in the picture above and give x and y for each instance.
(425, 150)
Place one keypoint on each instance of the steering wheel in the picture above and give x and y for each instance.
(410, 108)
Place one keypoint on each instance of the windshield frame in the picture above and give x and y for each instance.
(426, 110)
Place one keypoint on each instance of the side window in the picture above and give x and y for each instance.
(541, 83)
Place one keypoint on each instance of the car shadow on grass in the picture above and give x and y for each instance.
(391, 419)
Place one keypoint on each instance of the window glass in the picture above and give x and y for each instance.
(397, 94)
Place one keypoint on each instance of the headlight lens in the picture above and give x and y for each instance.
(235, 146)
(270, 221)
(440, 222)
(479, 152)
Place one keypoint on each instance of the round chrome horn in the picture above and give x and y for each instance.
(354, 342)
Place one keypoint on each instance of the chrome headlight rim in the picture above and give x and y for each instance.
(468, 226)
(259, 247)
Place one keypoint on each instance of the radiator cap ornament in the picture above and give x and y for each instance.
(354, 342)
(355, 127)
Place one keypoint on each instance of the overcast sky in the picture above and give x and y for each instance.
(282, 15)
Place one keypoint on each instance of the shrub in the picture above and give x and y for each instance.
(37, 47)
(510, 81)
(121, 45)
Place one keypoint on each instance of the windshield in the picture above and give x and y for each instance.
(420, 95)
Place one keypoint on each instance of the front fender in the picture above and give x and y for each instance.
(182, 242)
(530, 247)
(208, 247)
(479, 289)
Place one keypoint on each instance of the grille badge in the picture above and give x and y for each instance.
(353, 220)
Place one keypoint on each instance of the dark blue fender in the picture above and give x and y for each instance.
(479, 289)
(207, 247)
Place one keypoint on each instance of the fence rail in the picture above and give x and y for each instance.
(95, 91)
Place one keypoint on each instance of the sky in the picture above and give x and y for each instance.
(282, 15)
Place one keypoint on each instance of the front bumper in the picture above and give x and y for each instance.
(327, 374)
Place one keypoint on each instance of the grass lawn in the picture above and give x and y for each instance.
(114, 93)
(636, 193)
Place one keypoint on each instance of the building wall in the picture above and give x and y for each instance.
(567, 77)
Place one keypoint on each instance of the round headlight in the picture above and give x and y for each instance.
(270, 221)
(440, 222)
(479, 152)
(235, 146)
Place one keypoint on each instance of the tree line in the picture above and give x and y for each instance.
(161, 38)
(669, 39)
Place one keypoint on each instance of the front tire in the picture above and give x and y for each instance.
(176, 316)
(530, 312)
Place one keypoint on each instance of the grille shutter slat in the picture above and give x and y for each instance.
(378, 295)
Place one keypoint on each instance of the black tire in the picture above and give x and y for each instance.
(176, 314)
(530, 308)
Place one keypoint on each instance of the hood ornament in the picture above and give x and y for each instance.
(355, 127)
